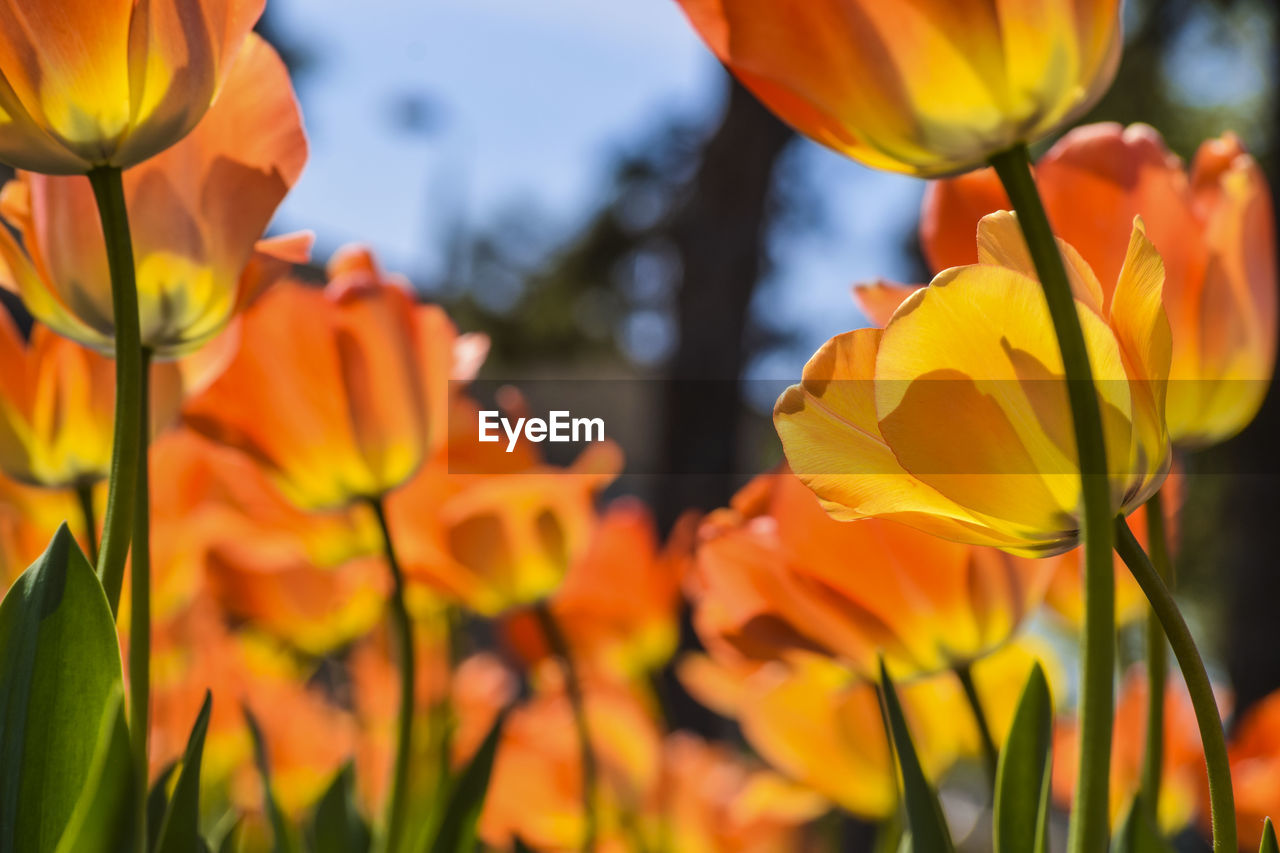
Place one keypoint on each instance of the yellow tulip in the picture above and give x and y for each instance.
(954, 418)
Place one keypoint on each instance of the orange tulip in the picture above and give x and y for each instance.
(776, 578)
(93, 83)
(307, 737)
(1255, 769)
(927, 87)
(821, 728)
(712, 801)
(619, 604)
(330, 391)
(954, 418)
(29, 516)
(1214, 228)
(1184, 774)
(197, 212)
(57, 400)
(535, 792)
(478, 690)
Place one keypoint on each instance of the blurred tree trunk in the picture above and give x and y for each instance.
(719, 232)
(1253, 654)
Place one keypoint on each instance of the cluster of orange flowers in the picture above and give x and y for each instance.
(314, 452)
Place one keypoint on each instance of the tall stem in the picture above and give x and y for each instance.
(108, 190)
(140, 601)
(84, 499)
(990, 752)
(573, 687)
(402, 637)
(1090, 825)
(1153, 748)
(1221, 800)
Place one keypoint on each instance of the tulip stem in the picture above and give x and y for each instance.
(108, 191)
(402, 636)
(140, 602)
(573, 688)
(990, 752)
(84, 499)
(1153, 749)
(1090, 822)
(1221, 800)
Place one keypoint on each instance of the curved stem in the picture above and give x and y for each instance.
(1153, 748)
(990, 752)
(84, 499)
(1221, 800)
(108, 190)
(1090, 822)
(402, 637)
(140, 600)
(573, 687)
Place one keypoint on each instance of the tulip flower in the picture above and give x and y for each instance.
(90, 83)
(954, 418)
(56, 404)
(197, 212)
(29, 516)
(619, 603)
(1213, 226)
(924, 88)
(1183, 771)
(819, 727)
(329, 391)
(776, 578)
(1255, 768)
(535, 792)
(712, 800)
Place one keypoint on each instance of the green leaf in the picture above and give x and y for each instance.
(336, 825)
(105, 818)
(281, 838)
(180, 829)
(1021, 821)
(1136, 834)
(158, 803)
(230, 842)
(1269, 844)
(59, 667)
(456, 832)
(925, 822)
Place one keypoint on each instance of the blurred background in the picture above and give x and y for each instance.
(582, 181)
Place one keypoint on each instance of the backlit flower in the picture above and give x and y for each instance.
(776, 578)
(330, 391)
(954, 418)
(196, 214)
(927, 87)
(1213, 226)
(90, 83)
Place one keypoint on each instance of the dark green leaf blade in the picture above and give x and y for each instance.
(105, 818)
(456, 832)
(59, 666)
(180, 829)
(1136, 834)
(336, 825)
(1021, 778)
(281, 837)
(1269, 844)
(925, 822)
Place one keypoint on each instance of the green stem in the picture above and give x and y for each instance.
(573, 687)
(402, 637)
(1090, 823)
(108, 190)
(1153, 748)
(1221, 800)
(990, 752)
(443, 722)
(140, 602)
(84, 498)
